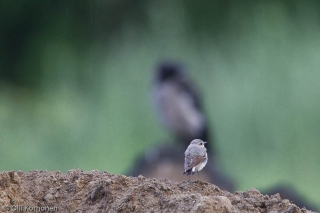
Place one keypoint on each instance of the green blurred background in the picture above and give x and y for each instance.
(75, 80)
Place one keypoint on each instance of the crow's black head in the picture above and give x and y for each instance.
(167, 71)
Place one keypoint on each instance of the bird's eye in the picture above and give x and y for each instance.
(201, 143)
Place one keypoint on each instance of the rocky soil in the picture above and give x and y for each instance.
(95, 191)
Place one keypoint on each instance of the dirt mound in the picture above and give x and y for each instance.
(95, 191)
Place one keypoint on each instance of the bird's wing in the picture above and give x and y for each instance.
(194, 157)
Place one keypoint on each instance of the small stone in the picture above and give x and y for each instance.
(140, 177)
(95, 193)
(276, 196)
(81, 183)
(48, 197)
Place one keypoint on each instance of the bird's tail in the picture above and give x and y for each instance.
(188, 172)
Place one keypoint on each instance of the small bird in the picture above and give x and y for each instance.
(178, 103)
(196, 157)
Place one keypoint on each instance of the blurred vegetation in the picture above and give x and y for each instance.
(75, 78)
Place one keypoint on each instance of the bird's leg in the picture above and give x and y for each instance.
(198, 174)
(189, 178)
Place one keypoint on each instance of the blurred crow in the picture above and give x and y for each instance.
(179, 109)
(178, 104)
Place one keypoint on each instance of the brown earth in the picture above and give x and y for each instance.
(95, 191)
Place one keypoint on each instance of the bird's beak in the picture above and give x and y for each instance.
(205, 142)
